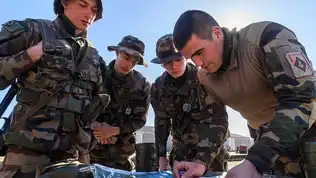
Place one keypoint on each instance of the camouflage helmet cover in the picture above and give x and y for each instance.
(59, 9)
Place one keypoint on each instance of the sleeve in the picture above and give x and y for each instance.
(139, 115)
(290, 73)
(15, 38)
(101, 84)
(211, 126)
(162, 123)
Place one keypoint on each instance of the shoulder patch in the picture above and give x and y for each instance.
(15, 27)
(299, 63)
(12, 29)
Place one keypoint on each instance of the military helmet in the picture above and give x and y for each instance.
(59, 9)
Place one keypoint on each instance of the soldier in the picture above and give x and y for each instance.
(253, 133)
(263, 72)
(198, 126)
(59, 75)
(127, 111)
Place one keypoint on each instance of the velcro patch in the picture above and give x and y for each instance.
(14, 27)
(299, 63)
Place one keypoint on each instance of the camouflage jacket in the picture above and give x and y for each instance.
(198, 122)
(271, 82)
(129, 104)
(74, 68)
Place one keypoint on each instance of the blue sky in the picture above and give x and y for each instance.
(149, 20)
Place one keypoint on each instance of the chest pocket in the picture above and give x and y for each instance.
(89, 68)
(133, 100)
(122, 104)
(168, 101)
(179, 107)
(58, 56)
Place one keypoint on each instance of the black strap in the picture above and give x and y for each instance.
(47, 35)
(44, 99)
(46, 30)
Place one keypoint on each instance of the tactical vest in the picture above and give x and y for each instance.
(70, 80)
(178, 103)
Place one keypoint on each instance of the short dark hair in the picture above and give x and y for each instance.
(191, 22)
(59, 8)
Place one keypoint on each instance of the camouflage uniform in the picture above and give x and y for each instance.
(49, 122)
(127, 110)
(199, 125)
(253, 133)
(269, 71)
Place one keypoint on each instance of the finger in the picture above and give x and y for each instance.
(161, 168)
(98, 137)
(161, 165)
(180, 166)
(93, 127)
(189, 173)
(175, 173)
(98, 140)
(108, 140)
(104, 141)
(175, 170)
(166, 166)
(96, 129)
(98, 133)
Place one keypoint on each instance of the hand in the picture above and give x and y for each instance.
(163, 163)
(102, 141)
(95, 125)
(239, 171)
(191, 169)
(104, 130)
(35, 52)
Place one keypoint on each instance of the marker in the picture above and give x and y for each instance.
(181, 173)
